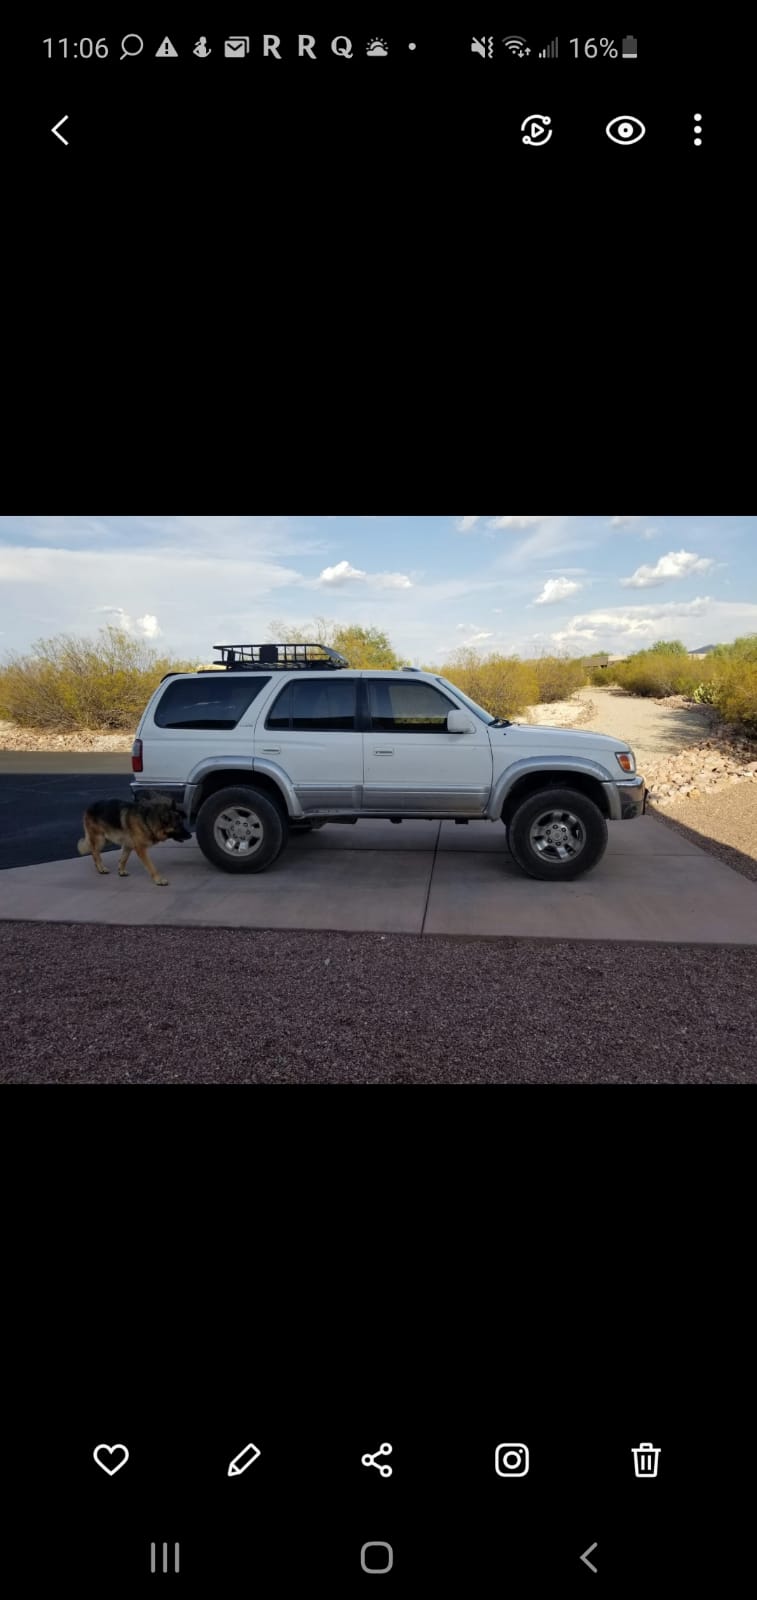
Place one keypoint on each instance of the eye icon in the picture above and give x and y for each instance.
(625, 130)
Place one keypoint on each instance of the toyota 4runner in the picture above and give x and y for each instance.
(286, 737)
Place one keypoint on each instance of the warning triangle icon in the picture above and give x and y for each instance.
(166, 48)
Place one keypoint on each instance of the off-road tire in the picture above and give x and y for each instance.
(255, 830)
(576, 824)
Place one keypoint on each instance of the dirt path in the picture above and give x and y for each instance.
(654, 729)
(701, 776)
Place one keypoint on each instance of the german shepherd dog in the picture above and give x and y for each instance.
(133, 825)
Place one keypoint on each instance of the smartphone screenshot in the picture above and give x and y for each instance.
(453, 810)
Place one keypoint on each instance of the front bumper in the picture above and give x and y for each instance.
(632, 793)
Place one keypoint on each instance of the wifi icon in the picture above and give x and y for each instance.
(516, 45)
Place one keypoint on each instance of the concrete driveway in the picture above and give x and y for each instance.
(419, 878)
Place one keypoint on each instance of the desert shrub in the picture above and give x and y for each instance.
(558, 677)
(69, 683)
(363, 647)
(503, 685)
(663, 670)
(734, 693)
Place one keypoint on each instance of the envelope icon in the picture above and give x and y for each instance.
(238, 46)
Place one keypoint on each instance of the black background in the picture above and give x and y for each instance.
(318, 1276)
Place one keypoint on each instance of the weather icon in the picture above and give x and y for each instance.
(377, 47)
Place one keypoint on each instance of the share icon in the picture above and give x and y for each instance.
(372, 1461)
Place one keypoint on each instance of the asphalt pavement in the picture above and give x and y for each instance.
(43, 795)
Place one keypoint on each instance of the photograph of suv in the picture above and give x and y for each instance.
(286, 738)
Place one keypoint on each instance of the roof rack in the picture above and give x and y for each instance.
(280, 657)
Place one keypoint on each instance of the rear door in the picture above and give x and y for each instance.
(412, 763)
(194, 718)
(310, 730)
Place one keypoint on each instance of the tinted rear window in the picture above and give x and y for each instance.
(215, 702)
(310, 705)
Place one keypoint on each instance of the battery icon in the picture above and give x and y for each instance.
(630, 49)
(645, 1459)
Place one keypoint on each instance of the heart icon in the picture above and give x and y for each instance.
(117, 1453)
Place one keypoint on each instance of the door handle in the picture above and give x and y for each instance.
(271, 749)
(383, 752)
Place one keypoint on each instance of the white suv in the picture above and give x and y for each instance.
(287, 737)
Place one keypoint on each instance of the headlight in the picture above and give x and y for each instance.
(626, 760)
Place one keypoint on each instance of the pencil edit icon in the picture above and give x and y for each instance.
(244, 1460)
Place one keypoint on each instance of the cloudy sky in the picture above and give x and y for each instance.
(506, 584)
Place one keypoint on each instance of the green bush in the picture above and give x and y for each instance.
(362, 647)
(558, 678)
(70, 683)
(503, 685)
(735, 693)
(659, 673)
(742, 649)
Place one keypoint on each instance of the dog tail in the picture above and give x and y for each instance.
(83, 847)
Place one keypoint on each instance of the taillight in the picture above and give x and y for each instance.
(136, 756)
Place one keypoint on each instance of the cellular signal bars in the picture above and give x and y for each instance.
(551, 49)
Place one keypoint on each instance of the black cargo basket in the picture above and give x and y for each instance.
(280, 657)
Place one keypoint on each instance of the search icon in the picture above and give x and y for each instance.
(342, 47)
(125, 51)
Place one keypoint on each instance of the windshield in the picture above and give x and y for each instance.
(476, 709)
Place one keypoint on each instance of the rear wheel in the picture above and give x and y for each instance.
(240, 830)
(557, 834)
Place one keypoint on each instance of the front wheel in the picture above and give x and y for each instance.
(240, 830)
(556, 834)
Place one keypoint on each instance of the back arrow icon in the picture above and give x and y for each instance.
(586, 1554)
(60, 125)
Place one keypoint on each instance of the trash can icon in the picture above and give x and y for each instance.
(645, 1460)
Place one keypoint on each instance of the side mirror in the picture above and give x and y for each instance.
(460, 722)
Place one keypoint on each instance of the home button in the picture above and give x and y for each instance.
(377, 1557)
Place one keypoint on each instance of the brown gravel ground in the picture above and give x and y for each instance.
(183, 1005)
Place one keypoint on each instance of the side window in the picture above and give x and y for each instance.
(397, 707)
(315, 705)
(211, 702)
(280, 714)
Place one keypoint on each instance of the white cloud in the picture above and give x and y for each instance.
(474, 634)
(343, 572)
(556, 589)
(465, 524)
(649, 533)
(676, 564)
(632, 622)
(617, 522)
(514, 522)
(147, 625)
